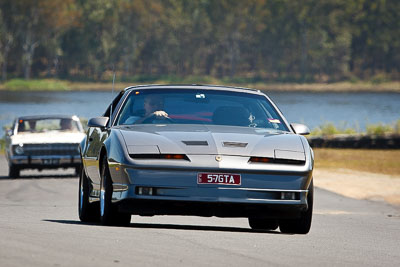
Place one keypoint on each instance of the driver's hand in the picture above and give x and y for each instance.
(160, 113)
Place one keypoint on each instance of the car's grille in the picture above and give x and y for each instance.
(51, 149)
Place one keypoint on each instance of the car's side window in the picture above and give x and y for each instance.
(127, 114)
(113, 106)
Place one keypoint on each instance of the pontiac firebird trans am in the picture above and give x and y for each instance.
(44, 142)
(196, 150)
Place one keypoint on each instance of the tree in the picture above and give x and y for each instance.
(39, 21)
(6, 36)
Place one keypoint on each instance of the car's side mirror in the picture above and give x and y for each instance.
(300, 128)
(100, 122)
(9, 132)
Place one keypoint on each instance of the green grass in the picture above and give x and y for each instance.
(36, 85)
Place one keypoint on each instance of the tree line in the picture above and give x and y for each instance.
(257, 40)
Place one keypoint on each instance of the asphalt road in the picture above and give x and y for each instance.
(39, 226)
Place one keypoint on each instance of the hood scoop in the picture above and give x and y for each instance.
(234, 144)
(195, 143)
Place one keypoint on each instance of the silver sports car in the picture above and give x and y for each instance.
(196, 150)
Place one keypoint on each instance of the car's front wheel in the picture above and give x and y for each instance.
(109, 214)
(301, 225)
(88, 212)
(13, 171)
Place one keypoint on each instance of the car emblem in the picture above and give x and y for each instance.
(218, 158)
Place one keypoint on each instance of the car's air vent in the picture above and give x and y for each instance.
(234, 144)
(195, 143)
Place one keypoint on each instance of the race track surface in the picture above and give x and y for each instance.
(39, 226)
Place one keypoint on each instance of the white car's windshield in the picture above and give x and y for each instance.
(186, 106)
(48, 124)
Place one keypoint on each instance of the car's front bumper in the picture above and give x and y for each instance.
(173, 191)
(45, 162)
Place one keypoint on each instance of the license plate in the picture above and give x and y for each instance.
(51, 161)
(219, 178)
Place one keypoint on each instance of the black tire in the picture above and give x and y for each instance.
(109, 214)
(263, 224)
(13, 171)
(88, 212)
(301, 225)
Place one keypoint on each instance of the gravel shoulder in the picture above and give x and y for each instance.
(359, 185)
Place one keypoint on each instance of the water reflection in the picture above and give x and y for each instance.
(343, 109)
(25, 97)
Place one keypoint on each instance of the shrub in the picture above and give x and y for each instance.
(379, 129)
(380, 78)
(397, 127)
(325, 129)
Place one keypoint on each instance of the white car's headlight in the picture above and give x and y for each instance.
(19, 149)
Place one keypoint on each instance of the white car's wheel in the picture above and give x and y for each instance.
(13, 171)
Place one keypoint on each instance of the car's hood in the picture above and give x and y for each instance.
(211, 140)
(47, 137)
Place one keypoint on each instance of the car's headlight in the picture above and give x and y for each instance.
(19, 150)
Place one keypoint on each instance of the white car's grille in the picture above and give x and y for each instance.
(51, 149)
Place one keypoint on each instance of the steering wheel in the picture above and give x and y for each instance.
(162, 119)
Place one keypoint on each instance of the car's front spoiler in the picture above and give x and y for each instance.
(148, 207)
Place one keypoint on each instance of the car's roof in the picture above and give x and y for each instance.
(39, 117)
(194, 86)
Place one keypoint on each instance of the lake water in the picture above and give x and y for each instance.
(313, 109)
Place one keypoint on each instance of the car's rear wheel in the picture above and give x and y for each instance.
(301, 225)
(88, 212)
(263, 224)
(13, 171)
(109, 214)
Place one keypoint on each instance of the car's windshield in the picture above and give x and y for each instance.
(47, 124)
(187, 106)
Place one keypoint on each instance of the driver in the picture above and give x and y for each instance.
(66, 124)
(153, 108)
(32, 125)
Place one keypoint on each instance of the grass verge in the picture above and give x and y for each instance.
(366, 160)
(53, 84)
(35, 85)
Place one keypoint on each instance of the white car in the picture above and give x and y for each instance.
(44, 142)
